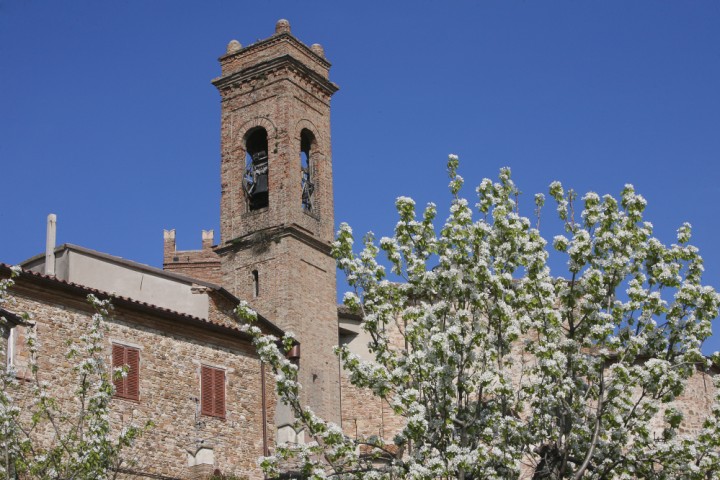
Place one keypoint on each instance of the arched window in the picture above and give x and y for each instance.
(307, 169)
(255, 178)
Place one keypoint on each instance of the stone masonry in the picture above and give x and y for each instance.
(172, 349)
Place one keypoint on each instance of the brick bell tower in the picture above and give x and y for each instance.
(276, 210)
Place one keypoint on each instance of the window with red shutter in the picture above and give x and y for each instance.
(129, 386)
(212, 391)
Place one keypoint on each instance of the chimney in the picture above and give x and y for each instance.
(50, 245)
(207, 239)
(168, 245)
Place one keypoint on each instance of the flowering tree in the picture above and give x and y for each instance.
(47, 440)
(501, 369)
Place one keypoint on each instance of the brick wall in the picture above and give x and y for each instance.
(297, 291)
(202, 264)
(363, 413)
(282, 86)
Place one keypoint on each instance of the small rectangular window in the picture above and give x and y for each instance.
(11, 348)
(212, 386)
(127, 387)
(17, 357)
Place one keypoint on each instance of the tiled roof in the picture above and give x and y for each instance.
(118, 300)
(262, 321)
(124, 262)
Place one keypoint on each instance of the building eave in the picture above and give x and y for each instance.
(48, 283)
(263, 322)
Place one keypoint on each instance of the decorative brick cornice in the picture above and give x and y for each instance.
(262, 69)
(274, 234)
(274, 40)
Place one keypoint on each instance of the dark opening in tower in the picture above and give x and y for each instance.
(255, 178)
(307, 181)
(256, 283)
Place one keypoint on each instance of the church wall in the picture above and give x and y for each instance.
(297, 290)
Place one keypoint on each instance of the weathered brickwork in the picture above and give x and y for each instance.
(201, 264)
(277, 257)
(171, 354)
(283, 101)
(363, 414)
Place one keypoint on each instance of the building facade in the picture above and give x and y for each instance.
(193, 371)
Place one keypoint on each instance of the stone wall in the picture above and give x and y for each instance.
(695, 402)
(171, 355)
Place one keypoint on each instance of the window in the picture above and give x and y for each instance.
(212, 395)
(129, 386)
(14, 339)
(12, 333)
(256, 284)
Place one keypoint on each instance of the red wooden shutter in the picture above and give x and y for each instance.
(206, 387)
(219, 393)
(118, 360)
(128, 387)
(132, 382)
(212, 391)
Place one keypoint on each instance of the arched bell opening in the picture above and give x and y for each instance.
(307, 169)
(255, 177)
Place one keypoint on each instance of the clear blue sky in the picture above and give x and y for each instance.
(109, 120)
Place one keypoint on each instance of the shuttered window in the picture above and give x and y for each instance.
(212, 386)
(129, 386)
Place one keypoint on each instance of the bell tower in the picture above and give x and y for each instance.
(276, 210)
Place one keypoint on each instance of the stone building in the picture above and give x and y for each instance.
(193, 371)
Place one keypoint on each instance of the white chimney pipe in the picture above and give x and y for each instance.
(50, 245)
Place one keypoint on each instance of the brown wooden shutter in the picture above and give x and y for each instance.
(219, 385)
(128, 387)
(206, 387)
(212, 392)
(118, 360)
(132, 382)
